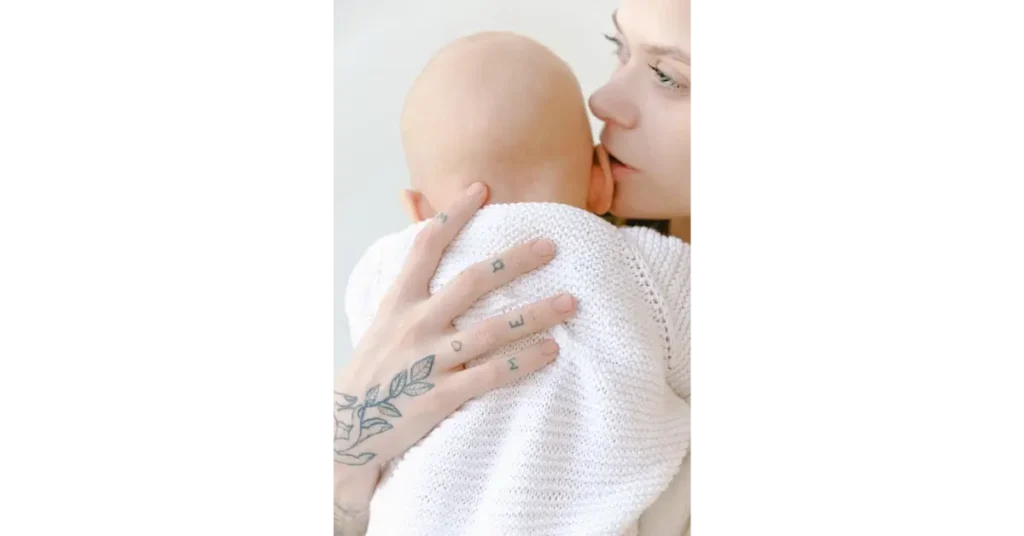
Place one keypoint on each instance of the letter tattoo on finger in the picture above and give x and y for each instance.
(441, 216)
(516, 323)
(512, 364)
(497, 265)
(456, 345)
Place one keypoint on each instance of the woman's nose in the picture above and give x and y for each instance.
(613, 105)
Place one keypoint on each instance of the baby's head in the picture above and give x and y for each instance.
(502, 109)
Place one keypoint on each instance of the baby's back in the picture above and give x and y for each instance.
(584, 445)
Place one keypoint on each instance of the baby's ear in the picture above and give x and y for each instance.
(416, 206)
(602, 187)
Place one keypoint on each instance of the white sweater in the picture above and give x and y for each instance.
(582, 447)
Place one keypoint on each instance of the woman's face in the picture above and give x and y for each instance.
(646, 109)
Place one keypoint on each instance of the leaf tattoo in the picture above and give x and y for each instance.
(349, 459)
(397, 384)
(418, 388)
(421, 369)
(349, 401)
(371, 395)
(389, 410)
(409, 382)
(372, 422)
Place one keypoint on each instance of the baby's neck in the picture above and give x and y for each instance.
(536, 186)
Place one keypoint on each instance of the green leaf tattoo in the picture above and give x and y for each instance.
(409, 382)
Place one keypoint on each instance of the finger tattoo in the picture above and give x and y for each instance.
(516, 323)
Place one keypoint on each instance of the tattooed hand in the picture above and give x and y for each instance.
(408, 372)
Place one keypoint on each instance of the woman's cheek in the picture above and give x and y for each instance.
(670, 175)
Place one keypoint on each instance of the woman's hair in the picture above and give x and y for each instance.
(662, 226)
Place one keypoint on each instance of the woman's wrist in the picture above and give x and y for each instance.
(354, 485)
(348, 522)
(353, 490)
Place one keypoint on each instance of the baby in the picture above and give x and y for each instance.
(585, 445)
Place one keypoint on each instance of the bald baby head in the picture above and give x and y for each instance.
(504, 109)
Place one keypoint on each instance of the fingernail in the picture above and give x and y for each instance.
(544, 247)
(549, 347)
(475, 189)
(563, 303)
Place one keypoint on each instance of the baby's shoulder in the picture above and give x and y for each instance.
(665, 257)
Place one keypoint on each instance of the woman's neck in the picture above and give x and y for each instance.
(681, 227)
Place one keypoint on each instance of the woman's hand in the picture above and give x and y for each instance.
(408, 372)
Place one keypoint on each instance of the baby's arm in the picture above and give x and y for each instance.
(668, 262)
(362, 292)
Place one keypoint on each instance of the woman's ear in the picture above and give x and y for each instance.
(602, 187)
(416, 206)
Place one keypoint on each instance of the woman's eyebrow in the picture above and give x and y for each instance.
(656, 50)
(672, 51)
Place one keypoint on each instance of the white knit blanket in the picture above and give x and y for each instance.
(581, 447)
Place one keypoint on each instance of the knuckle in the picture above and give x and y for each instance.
(516, 261)
(492, 374)
(427, 239)
(471, 281)
(390, 301)
(486, 338)
(419, 324)
(534, 316)
(446, 401)
(409, 330)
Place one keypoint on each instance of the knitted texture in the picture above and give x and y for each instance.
(581, 447)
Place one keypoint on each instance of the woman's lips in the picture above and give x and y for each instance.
(619, 167)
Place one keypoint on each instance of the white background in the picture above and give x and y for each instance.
(380, 48)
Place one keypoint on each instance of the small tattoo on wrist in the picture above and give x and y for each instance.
(456, 345)
(512, 364)
(497, 265)
(516, 323)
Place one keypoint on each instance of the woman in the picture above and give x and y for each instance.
(646, 109)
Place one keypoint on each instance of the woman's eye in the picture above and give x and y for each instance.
(664, 79)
